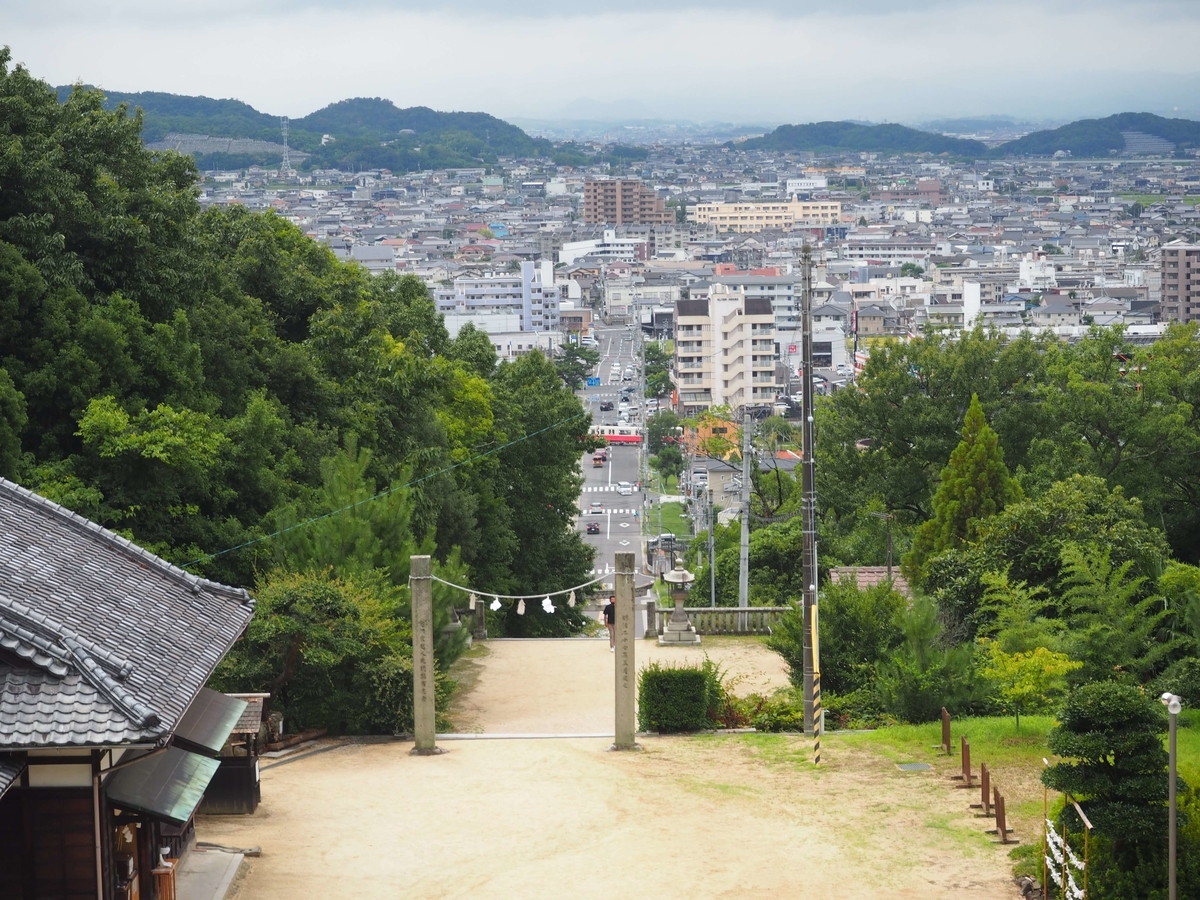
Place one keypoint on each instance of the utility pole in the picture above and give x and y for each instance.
(712, 556)
(809, 503)
(744, 556)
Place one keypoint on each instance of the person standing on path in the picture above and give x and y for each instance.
(610, 622)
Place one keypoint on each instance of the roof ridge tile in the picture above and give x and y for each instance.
(123, 544)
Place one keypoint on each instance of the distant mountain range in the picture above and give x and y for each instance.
(351, 134)
(1133, 132)
(374, 133)
(853, 137)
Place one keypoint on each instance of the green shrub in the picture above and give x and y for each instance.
(858, 629)
(1113, 761)
(862, 708)
(673, 698)
(922, 676)
(783, 711)
(725, 709)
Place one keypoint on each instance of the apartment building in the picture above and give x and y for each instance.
(724, 351)
(1180, 283)
(608, 248)
(530, 297)
(623, 201)
(754, 217)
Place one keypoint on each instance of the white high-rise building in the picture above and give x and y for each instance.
(530, 298)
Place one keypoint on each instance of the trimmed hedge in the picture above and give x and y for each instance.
(673, 699)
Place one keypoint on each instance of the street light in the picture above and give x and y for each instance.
(1173, 704)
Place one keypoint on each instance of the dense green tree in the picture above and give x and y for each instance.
(974, 487)
(668, 462)
(1116, 630)
(573, 363)
(890, 438)
(1029, 536)
(659, 426)
(1109, 736)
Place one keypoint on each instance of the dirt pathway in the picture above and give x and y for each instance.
(566, 686)
(717, 816)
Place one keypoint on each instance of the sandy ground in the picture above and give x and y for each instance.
(716, 816)
(567, 686)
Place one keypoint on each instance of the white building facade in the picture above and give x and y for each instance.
(532, 296)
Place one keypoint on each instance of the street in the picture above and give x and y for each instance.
(620, 529)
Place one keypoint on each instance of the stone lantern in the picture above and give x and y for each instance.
(679, 630)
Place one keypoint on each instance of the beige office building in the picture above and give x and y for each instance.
(751, 217)
(1180, 283)
(623, 201)
(724, 351)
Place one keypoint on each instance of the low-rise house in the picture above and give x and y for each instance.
(108, 736)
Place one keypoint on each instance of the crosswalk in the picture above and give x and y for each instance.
(600, 489)
(628, 512)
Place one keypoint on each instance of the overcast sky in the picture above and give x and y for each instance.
(754, 60)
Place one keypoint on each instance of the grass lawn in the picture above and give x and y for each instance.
(1149, 199)
(668, 485)
(1014, 758)
(673, 521)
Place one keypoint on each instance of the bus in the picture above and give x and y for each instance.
(618, 434)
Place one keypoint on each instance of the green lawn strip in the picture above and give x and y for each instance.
(1151, 199)
(673, 521)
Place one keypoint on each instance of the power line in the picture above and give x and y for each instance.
(383, 493)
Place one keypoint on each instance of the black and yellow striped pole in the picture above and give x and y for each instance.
(817, 720)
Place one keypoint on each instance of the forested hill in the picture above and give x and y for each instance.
(1099, 137)
(166, 113)
(1087, 137)
(853, 137)
(366, 132)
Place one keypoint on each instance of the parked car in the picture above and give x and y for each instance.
(844, 369)
(593, 527)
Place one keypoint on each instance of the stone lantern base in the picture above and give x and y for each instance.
(678, 633)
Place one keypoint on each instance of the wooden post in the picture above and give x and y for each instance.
(985, 790)
(423, 663)
(945, 744)
(968, 780)
(626, 668)
(1001, 830)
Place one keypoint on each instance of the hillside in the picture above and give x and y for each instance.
(852, 137)
(167, 113)
(366, 132)
(1099, 137)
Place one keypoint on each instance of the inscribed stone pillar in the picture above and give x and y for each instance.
(626, 668)
(423, 662)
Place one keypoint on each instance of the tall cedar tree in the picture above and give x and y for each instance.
(974, 486)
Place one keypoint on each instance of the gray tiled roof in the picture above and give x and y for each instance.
(101, 642)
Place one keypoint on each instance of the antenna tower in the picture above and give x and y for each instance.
(287, 157)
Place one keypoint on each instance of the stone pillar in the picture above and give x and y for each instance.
(626, 667)
(423, 662)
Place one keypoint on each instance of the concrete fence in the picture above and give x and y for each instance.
(725, 619)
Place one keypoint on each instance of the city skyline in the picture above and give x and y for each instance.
(901, 61)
